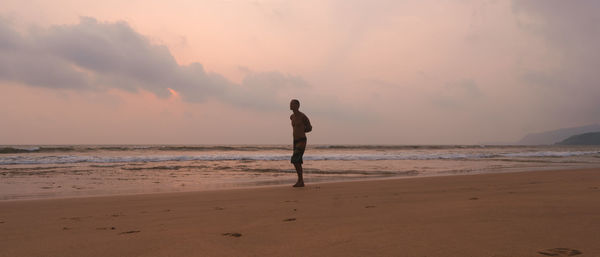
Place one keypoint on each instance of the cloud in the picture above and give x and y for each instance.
(256, 86)
(458, 94)
(566, 23)
(23, 61)
(571, 33)
(571, 29)
(93, 55)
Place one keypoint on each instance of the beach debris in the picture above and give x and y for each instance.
(106, 228)
(560, 252)
(130, 232)
(66, 228)
(73, 218)
(370, 206)
(290, 219)
(232, 234)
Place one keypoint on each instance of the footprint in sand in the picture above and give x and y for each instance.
(232, 234)
(560, 252)
(75, 218)
(129, 232)
(106, 228)
(290, 219)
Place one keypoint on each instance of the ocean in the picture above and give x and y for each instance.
(59, 171)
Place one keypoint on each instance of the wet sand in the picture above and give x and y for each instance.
(542, 213)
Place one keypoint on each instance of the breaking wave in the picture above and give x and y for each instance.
(63, 159)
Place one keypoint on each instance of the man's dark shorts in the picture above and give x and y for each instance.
(298, 152)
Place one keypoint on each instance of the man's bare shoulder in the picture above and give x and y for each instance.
(302, 115)
(299, 116)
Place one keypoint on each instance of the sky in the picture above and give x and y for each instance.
(365, 72)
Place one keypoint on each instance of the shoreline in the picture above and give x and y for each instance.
(345, 180)
(498, 214)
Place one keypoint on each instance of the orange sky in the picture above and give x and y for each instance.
(366, 72)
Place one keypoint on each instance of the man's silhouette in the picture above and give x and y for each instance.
(300, 125)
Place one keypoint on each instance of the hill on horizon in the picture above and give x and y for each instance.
(555, 136)
(592, 138)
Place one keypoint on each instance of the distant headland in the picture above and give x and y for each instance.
(557, 136)
(592, 138)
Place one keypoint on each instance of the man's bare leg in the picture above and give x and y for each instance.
(300, 182)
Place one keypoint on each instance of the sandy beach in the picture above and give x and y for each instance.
(541, 213)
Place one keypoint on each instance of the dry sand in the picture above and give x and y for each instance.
(512, 214)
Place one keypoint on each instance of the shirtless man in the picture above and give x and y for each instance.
(300, 125)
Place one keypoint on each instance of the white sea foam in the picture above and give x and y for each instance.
(64, 159)
(550, 154)
(80, 170)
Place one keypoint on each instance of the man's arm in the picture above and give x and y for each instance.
(307, 125)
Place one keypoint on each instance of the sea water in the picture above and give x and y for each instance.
(45, 171)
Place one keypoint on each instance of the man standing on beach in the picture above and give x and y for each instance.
(300, 125)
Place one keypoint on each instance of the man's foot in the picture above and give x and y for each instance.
(299, 184)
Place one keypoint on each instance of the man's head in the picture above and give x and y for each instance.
(294, 104)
